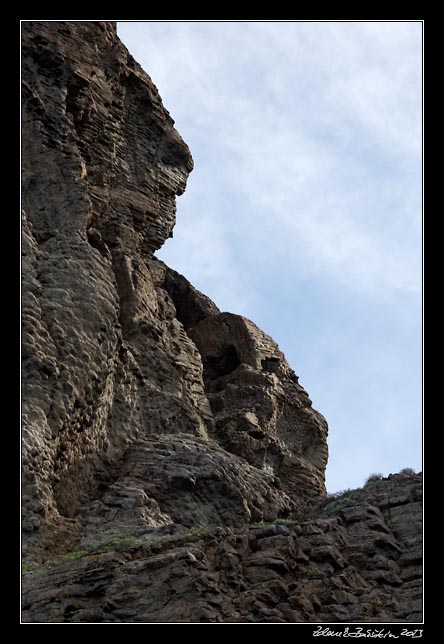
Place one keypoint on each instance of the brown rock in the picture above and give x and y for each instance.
(107, 360)
(261, 412)
(244, 574)
(156, 429)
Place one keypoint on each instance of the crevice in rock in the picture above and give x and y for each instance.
(270, 364)
(215, 367)
(191, 305)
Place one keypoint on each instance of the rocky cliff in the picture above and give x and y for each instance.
(356, 558)
(151, 420)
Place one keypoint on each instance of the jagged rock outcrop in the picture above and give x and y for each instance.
(261, 412)
(137, 391)
(146, 411)
(354, 559)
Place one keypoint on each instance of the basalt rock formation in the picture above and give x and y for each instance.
(352, 559)
(147, 412)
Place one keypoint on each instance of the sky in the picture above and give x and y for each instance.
(303, 212)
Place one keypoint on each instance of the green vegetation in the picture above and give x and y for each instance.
(408, 471)
(152, 540)
(70, 556)
(194, 533)
(117, 543)
(120, 543)
(374, 477)
(335, 502)
(287, 522)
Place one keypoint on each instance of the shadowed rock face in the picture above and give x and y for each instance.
(146, 410)
(260, 411)
(352, 559)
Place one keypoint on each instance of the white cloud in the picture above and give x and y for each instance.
(297, 120)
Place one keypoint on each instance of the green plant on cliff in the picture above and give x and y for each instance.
(374, 477)
(152, 540)
(335, 502)
(194, 533)
(69, 556)
(287, 522)
(120, 543)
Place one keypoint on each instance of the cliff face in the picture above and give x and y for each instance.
(146, 411)
(143, 404)
(353, 559)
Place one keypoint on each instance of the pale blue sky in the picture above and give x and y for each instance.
(303, 212)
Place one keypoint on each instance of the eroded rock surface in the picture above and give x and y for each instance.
(125, 381)
(355, 559)
(146, 410)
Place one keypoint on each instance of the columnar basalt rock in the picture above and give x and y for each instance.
(147, 412)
